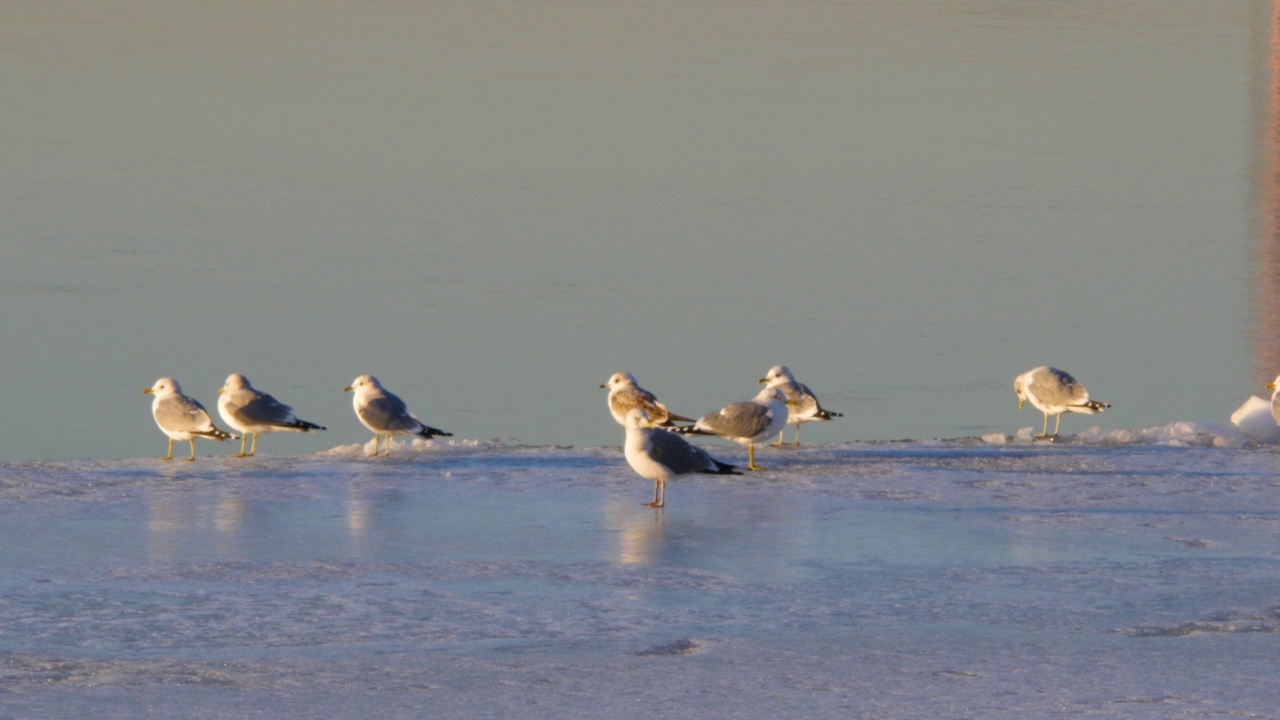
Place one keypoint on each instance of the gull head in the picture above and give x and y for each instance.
(619, 379)
(364, 382)
(235, 381)
(771, 394)
(777, 375)
(1020, 390)
(164, 386)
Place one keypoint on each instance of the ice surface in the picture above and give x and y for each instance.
(1097, 576)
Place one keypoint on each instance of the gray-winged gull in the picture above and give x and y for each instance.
(661, 455)
(254, 412)
(181, 417)
(746, 422)
(385, 414)
(802, 404)
(1054, 392)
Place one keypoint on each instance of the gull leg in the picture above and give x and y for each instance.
(386, 446)
(170, 455)
(243, 437)
(751, 457)
(781, 432)
(1057, 424)
(252, 448)
(659, 495)
(797, 440)
(193, 451)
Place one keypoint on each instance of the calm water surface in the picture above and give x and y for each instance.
(495, 206)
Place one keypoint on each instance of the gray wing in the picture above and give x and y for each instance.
(388, 413)
(681, 458)
(180, 413)
(801, 402)
(739, 420)
(263, 409)
(1055, 387)
(813, 411)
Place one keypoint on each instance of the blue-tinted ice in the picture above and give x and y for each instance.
(904, 580)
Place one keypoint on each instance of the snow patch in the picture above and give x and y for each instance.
(1255, 420)
(1183, 433)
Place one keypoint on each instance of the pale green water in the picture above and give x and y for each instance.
(495, 206)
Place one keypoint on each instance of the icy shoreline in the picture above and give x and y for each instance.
(908, 580)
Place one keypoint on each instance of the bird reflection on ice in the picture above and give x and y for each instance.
(228, 517)
(174, 518)
(359, 517)
(640, 535)
(164, 525)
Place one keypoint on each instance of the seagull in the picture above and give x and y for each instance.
(661, 455)
(181, 417)
(745, 422)
(1275, 398)
(385, 414)
(253, 412)
(802, 404)
(1054, 392)
(625, 394)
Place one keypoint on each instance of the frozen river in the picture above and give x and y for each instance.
(963, 579)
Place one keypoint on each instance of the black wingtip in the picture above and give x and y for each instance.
(430, 432)
(725, 468)
(688, 430)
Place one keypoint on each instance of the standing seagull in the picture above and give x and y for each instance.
(385, 414)
(181, 417)
(746, 422)
(625, 394)
(1054, 392)
(802, 404)
(253, 412)
(660, 455)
